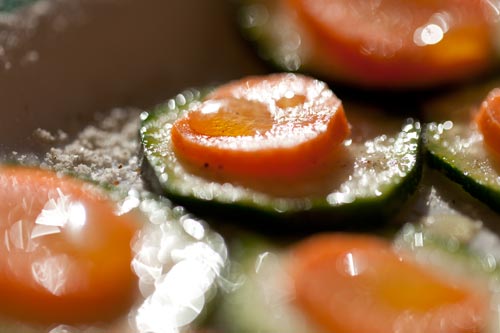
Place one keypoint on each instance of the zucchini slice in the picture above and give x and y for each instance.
(262, 300)
(369, 46)
(380, 169)
(455, 146)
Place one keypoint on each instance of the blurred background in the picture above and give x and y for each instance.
(61, 61)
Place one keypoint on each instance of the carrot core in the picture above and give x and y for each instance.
(278, 125)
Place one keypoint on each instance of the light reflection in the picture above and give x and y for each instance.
(493, 8)
(352, 268)
(178, 297)
(211, 107)
(146, 264)
(178, 262)
(419, 239)
(194, 228)
(352, 264)
(338, 198)
(6, 241)
(15, 236)
(489, 263)
(260, 260)
(254, 16)
(59, 213)
(64, 329)
(209, 260)
(131, 202)
(448, 125)
(44, 230)
(429, 34)
(181, 285)
(159, 315)
(52, 273)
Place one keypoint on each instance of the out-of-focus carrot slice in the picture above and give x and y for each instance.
(358, 284)
(488, 120)
(64, 253)
(394, 43)
(276, 125)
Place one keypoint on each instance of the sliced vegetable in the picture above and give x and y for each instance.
(456, 145)
(488, 120)
(365, 180)
(64, 253)
(341, 282)
(353, 283)
(280, 125)
(382, 44)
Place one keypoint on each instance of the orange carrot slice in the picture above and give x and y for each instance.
(281, 124)
(64, 253)
(401, 43)
(355, 284)
(488, 120)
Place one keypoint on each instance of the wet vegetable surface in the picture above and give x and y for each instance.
(53, 83)
(376, 170)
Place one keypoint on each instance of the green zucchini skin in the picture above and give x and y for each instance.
(396, 155)
(488, 194)
(284, 42)
(454, 146)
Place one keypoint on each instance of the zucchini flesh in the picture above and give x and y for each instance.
(379, 168)
(455, 146)
(261, 299)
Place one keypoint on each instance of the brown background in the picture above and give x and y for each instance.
(87, 56)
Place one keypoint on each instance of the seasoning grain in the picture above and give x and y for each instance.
(107, 152)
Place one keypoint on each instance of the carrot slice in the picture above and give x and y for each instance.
(355, 284)
(64, 254)
(488, 120)
(401, 43)
(276, 125)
